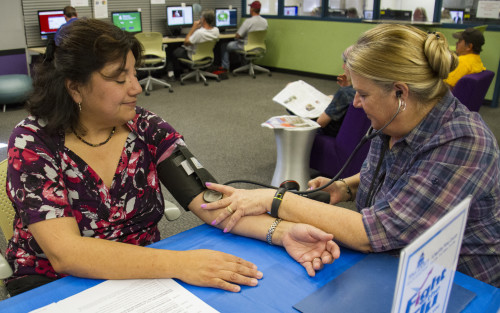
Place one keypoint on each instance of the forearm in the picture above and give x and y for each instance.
(72, 254)
(103, 259)
(345, 225)
(249, 226)
(353, 183)
(323, 120)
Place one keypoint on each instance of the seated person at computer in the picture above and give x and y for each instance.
(352, 13)
(84, 176)
(70, 16)
(420, 15)
(331, 119)
(468, 48)
(201, 31)
(254, 23)
(428, 153)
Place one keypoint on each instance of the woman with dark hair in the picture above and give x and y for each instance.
(84, 171)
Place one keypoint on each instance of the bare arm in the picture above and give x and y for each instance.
(323, 120)
(196, 25)
(308, 245)
(346, 225)
(72, 254)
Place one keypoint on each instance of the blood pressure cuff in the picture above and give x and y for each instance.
(183, 176)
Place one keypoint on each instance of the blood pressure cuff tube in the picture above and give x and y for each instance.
(183, 176)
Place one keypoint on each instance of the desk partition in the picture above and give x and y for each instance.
(285, 282)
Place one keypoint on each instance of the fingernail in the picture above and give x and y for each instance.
(225, 230)
(208, 184)
(204, 205)
(254, 282)
(213, 222)
(260, 274)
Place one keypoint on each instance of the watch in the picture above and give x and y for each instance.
(275, 205)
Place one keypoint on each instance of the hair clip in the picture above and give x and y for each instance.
(434, 33)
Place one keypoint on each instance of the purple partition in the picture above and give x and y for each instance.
(13, 62)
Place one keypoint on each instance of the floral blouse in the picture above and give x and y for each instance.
(46, 180)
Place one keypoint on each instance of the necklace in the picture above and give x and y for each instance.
(97, 144)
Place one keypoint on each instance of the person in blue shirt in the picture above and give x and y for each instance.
(331, 119)
(70, 15)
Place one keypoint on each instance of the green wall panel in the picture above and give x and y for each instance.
(317, 46)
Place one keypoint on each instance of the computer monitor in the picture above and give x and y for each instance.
(457, 15)
(399, 15)
(178, 17)
(368, 14)
(129, 21)
(291, 10)
(50, 21)
(226, 19)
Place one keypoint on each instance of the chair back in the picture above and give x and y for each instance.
(152, 43)
(256, 41)
(329, 154)
(6, 209)
(204, 50)
(481, 28)
(471, 89)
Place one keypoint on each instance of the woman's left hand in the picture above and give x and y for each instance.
(241, 202)
(310, 246)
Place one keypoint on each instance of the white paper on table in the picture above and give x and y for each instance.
(133, 295)
(289, 122)
(303, 99)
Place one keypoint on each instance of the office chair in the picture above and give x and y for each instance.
(328, 154)
(471, 89)
(154, 58)
(254, 49)
(201, 59)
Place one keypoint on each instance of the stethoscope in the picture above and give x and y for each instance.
(294, 186)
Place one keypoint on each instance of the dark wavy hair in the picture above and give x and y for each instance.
(87, 45)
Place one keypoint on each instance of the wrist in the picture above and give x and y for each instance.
(277, 200)
(275, 236)
(348, 192)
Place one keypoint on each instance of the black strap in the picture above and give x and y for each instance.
(278, 197)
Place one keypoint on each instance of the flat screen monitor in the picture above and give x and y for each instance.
(180, 16)
(226, 18)
(50, 21)
(291, 10)
(399, 15)
(457, 16)
(129, 21)
(368, 14)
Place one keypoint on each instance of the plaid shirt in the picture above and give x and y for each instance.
(449, 155)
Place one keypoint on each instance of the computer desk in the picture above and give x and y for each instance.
(285, 282)
(168, 40)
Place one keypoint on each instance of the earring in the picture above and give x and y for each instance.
(79, 105)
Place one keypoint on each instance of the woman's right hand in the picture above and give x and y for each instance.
(209, 268)
(336, 193)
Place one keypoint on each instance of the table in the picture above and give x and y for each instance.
(167, 40)
(285, 282)
(293, 152)
(181, 38)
